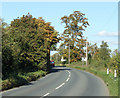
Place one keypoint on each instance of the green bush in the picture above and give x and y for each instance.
(20, 79)
(26, 45)
(7, 61)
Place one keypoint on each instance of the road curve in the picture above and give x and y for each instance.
(62, 81)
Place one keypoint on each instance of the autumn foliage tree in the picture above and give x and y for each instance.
(72, 36)
(100, 56)
(92, 51)
(114, 62)
(29, 40)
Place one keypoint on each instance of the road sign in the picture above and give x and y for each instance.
(83, 59)
(63, 59)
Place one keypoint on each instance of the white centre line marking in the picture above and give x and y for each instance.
(69, 75)
(60, 86)
(46, 94)
(67, 79)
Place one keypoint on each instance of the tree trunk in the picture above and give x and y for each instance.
(48, 60)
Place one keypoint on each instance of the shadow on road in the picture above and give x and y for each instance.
(29, 84)
(59, 68)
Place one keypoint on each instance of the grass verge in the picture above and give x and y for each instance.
(110, 81)
(21, 79)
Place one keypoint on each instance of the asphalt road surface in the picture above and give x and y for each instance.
(62, 81)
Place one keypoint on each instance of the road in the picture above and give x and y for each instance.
(62, 81)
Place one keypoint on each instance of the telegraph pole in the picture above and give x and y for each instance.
(56, 58)
(86, 52)
(69, 52)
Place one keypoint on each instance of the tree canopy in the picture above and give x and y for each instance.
(26, 44)
(72, 36)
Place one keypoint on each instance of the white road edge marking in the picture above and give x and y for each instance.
(46, 94)
(60, 86)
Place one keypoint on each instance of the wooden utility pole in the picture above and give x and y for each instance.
(86, 52)
(69, 52)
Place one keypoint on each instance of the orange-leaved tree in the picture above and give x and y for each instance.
(72, 36)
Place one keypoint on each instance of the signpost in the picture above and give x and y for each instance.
(63, 60)
(115, 73)
(107, 70)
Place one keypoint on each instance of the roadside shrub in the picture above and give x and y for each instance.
(16, 80)
(7, 61)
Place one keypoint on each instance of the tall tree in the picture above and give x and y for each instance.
(104, 51)
(30, 40)
(72, 36)
(92, 50)
(114, 61)
(50, 36)
(103, 54)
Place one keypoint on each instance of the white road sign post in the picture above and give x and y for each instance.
(115, 73)
(107, 70)
(63, 60)
(82, 61)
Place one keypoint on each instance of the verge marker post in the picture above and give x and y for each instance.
(115, 73)
(107, 70)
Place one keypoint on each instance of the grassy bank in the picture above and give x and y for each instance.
(109, 80)
(21, 79)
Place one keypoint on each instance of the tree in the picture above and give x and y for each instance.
(114, 62)
(103, 54)
(6, 56)
(50, 37)
(72, 36)
(56, 57)
(3, 29)
(27, 43)
(104, 51)
(92, 50)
